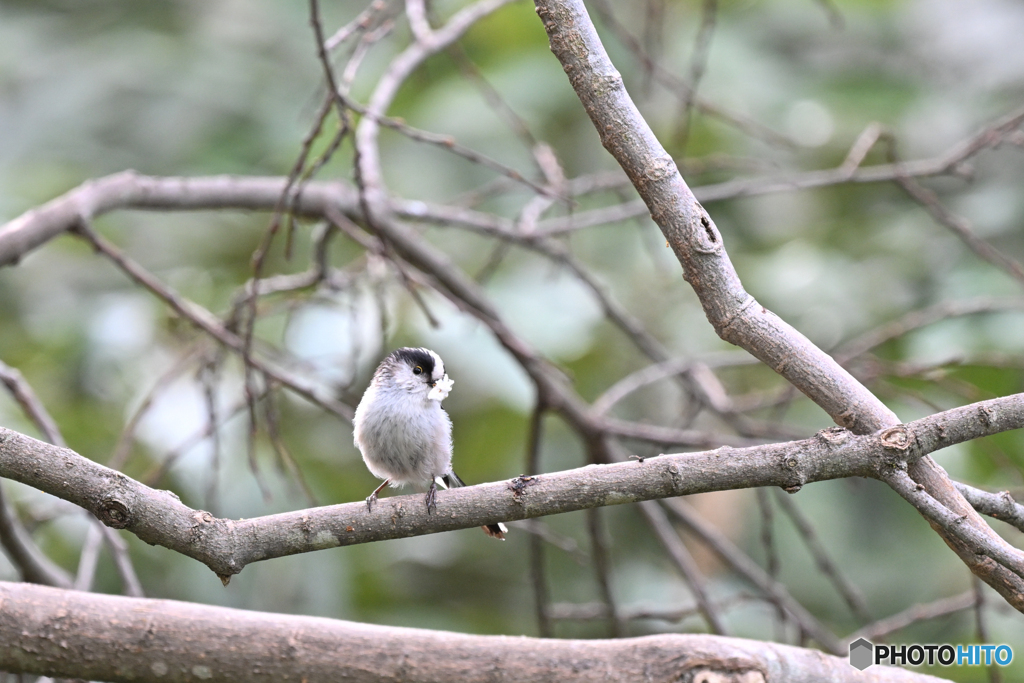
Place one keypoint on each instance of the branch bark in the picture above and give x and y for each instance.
(55, 632)
(31, 562)
(226, 546)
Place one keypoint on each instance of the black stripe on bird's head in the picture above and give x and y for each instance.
(424, 363)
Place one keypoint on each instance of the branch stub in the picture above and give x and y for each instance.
(897, 438)
(114, 514)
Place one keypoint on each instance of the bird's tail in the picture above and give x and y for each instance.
(498, 531)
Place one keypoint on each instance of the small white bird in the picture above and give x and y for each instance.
(401, 429)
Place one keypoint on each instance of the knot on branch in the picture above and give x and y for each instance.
(114, 514)
(834, 436)
(518, 486)
(200, 518)
(792, 466)
(725, 670)
(705, 236)
(1008, 503)
(675, 476)
(606, 82)
(659, 168)
(718, 676)
(897, 438)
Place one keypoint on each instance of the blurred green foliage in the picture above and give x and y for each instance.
(193, 88)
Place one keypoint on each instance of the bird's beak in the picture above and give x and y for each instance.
(440, 388)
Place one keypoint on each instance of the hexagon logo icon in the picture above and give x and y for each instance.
(861, 654)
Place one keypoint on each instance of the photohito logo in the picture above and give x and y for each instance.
(863, 654)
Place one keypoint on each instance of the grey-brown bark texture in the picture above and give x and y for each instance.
(102, 637)
(226, 546)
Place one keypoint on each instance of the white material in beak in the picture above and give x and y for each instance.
(441, 389)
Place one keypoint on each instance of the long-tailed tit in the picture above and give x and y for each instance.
(401, 429)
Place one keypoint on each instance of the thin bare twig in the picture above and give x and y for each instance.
(684, 562)
(981, 628)
(88, 558)
(848, 591)
(602, 568)
(882, 628)
(206, 321)
(915, 320)
(122, 449)
(949, 162)
(698, 64)
(156, 473)
(30, 403)
(207, 376)
(771, 553)
(360, 24)
(564, 543)
(284, 454)
(680, 88)
(961, 228)
(594, 611)
(654, 14)
(740, 562)
(31, 562)
(119, 549)
(538, 572)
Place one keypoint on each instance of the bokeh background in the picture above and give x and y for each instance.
(219, 86)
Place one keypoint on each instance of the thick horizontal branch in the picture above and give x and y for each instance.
(131, 190)
(226, 546)
(55, 632)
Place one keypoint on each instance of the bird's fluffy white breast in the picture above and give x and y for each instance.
(402, 437)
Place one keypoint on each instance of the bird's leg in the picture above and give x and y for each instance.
(372, 498)
(432, 496)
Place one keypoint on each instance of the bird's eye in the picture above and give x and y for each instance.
(417, 370)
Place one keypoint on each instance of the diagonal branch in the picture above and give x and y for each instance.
(684, 561)
(32, 563)
(847, 590)
(1000, 505)
(742, 564)
(932, 610)
(736, 316)
(211, 325)
(961, 228)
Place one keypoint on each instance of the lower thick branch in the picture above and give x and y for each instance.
(54, 632)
